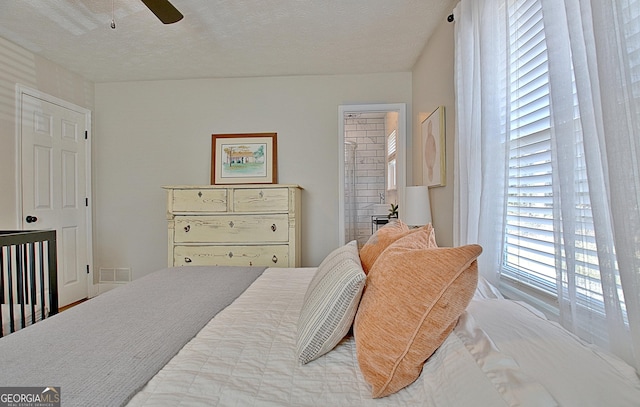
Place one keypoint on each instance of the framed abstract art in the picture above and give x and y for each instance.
(432, 132)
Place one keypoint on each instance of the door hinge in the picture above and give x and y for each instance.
(86, 134)
(87, 269)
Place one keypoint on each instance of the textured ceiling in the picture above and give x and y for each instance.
(230, 38)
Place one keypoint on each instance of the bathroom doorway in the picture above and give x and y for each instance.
(372, 166)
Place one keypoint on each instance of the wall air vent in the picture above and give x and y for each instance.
(118, 275)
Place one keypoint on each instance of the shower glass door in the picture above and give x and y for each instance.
(350, 215)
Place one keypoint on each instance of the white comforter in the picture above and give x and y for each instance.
(500, 354)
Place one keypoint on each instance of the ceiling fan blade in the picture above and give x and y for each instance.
(164, 10)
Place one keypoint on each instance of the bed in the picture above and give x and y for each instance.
(230, 336)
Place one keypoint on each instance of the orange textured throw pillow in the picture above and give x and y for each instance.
(384, 237)
(411, 303)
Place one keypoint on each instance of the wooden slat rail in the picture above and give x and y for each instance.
(28, 261)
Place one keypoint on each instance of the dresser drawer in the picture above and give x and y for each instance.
(232, 228)
(269, 255)
(243, 224)
(200, 200)
(261, 200)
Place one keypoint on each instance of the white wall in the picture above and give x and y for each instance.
(433, 86)
(18, 65)
(154, 133)
(148, 134)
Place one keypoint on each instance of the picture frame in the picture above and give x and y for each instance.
(248, 158)
(432, 130)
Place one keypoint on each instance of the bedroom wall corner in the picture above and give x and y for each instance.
(433, 86)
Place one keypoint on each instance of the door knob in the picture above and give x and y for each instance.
(31, 219)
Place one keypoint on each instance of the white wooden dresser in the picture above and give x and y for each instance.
(236, 225)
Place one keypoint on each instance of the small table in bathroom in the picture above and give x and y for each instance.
(378, 220)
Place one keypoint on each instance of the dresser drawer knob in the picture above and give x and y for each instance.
(187, 260)
(274, 227)
(274, 258)
(187, 228)
(231, 224)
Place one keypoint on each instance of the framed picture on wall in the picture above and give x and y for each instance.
(244, 158)
(433, 149)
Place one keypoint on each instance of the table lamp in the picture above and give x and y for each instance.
(417, 208)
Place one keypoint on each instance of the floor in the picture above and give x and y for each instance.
(66, 307)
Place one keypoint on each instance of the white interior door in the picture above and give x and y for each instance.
(54, 161)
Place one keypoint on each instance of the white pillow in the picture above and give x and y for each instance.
(330, 303)
(486, 290)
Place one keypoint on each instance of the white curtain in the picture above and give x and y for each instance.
(595, 130)
(480, 145)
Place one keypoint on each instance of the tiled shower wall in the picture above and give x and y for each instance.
(368, 132)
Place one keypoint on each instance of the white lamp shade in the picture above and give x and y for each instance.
(417, 208)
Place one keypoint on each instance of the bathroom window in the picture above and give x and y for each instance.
(391, 161)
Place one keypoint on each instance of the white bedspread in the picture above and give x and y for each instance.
(500, 354)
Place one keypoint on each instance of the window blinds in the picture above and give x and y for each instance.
(537, 252)
(529, 241)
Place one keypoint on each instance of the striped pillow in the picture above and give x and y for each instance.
(330, 303)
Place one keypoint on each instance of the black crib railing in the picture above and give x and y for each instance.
(28, 271)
